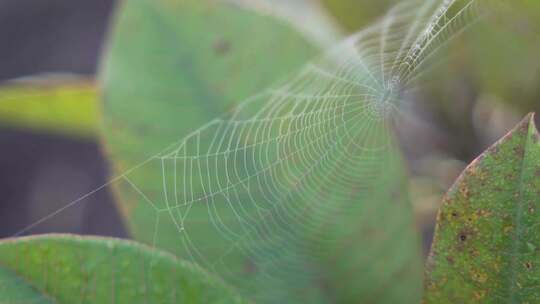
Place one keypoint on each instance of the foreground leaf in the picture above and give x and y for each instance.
(13, 289)
(486, 244)
(65, 109)
(70, 269)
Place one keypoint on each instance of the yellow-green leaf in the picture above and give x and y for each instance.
(66, 109)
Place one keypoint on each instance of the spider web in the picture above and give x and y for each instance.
(281, 180)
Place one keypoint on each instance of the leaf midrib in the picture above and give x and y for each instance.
(517, 220)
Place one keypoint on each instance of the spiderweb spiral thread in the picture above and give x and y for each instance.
(273, 187)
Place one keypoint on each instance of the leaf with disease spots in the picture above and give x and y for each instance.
(486, 244)
(71, 269)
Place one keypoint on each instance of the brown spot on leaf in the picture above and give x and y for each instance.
(479, 295)
(464, 191)
(250, 267)
(528, 265)
(519, 151)
(473, 253)
(479, 277)
(483, 213)
(535, 138)
(462, 238)
(222, 47)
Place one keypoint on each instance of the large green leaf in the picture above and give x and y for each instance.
(171, 67)
(330, 223)
(13, 289)
(72, 269)
(371, 250)
(486, 244)
(60, 108)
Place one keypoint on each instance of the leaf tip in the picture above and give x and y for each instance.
(529, 118)
(528, 125)
(532, 122)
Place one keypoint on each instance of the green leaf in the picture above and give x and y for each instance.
(354, 15)
(71, 269)
(13, 289)
(65, 109)
(485, 248)
(171, 67)
(371, 250)
(307, 16)
(174, 66)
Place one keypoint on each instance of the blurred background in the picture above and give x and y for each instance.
(50, 152)
(48, 160)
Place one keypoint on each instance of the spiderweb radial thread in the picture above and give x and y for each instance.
(264, 194)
